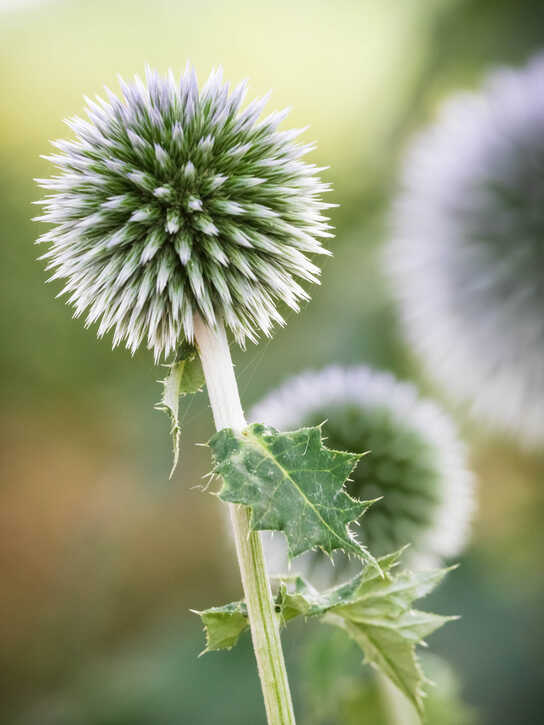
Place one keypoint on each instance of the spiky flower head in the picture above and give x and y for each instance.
(415, 459)
(172, 201)
(467, 262)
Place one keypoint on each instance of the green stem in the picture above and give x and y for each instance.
(227, 411)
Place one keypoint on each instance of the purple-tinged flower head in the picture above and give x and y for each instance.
(173, 201)
(415, 460)
(466, 260)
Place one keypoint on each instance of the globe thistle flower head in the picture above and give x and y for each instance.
(173, 201)
(415, 460)
(466, 260)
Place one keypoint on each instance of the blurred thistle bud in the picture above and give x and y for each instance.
(415, 460)
(173, 201)
(466, 261)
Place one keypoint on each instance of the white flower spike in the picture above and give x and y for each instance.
(172, 202)
(466, 261)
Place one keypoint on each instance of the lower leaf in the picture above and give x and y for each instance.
(374, 609)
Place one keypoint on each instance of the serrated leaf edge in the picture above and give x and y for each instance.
(350, 545)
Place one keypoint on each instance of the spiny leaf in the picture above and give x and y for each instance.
(223, 625)
(377, 614)
(292, 483)
(374, 609)
(185, 377)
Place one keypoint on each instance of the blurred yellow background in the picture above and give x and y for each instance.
(101, 555)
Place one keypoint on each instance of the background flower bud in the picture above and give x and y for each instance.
(466, 260)
(415, 460)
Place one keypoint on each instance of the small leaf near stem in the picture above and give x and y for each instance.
(185, 377)
(223, 625)
(292, 483)
(375, 611)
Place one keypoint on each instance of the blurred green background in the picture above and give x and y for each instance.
(101, 556)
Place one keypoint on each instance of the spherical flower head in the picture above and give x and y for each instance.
(415, 460)
(466, 261)
(172, 202)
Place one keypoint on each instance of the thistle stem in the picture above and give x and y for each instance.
(227, 411)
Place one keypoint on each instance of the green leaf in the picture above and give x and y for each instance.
(374, 609)
(292, 483)
(185, 377)
(223, 625)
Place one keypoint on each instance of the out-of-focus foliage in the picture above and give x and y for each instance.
(511, 530)
(95, 544)
(335, 690)
(158, 680)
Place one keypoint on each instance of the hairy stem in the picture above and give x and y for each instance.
(214, 353)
